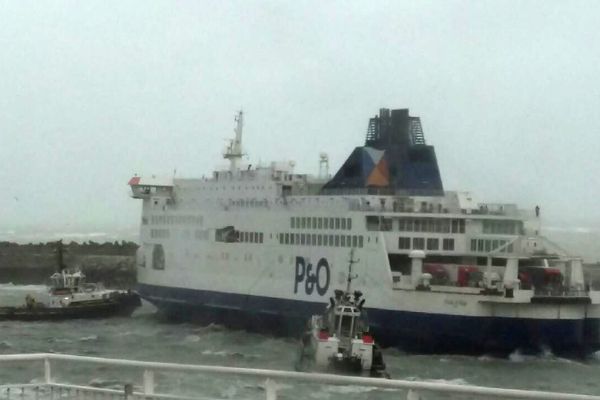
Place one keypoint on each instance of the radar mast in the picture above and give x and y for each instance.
(234, 150)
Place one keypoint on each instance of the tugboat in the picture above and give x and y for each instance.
(71, 297)
(339, 340)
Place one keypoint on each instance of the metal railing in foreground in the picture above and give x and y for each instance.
(49, 388)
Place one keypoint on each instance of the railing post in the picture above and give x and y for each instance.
(47, 371)
(270, 389)
(148, 383)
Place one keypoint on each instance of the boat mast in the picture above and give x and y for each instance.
(350, 275)
(234, 150)
(60, 261)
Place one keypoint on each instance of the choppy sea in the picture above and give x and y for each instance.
(144, 336)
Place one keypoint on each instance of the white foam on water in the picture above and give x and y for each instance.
(320, 395)
(455, 381)
(60, 340)
(349, 389)
(220, 353)
(192, 338)
(5, 344)
(106, 383)
(229, 392)
(516, 356)
(90, 338)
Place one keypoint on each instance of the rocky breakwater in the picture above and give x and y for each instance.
(113, 264)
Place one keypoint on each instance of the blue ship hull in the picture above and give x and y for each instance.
(410, 331)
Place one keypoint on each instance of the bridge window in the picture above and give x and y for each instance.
(433, 244)
(404, 243)
(419, 243)
(448, 244)
(417, 225)
(454, 226)
(499, 227)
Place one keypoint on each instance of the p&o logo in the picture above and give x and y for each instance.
(313, 279)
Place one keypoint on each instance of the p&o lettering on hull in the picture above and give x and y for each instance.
(314, 278)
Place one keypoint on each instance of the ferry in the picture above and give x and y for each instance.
(263, 247)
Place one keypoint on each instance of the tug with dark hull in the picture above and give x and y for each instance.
(118, 304)
(71, 297)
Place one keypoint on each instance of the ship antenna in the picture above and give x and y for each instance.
(350, 275)
(60, 256)
(234, 151)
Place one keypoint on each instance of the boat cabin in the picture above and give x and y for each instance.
(69, 282)
(345, 317)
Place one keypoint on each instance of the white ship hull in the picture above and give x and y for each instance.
(264, 248)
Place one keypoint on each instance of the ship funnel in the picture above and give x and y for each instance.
(394, 159)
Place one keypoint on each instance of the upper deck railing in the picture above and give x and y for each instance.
(50, 388)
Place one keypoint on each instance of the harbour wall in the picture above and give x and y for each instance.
(113, 264)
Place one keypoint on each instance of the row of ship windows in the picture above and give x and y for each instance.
(312, 239)
(246, 237)
(487, 245)
(249, 203)
(320, 223)
(418, 243)
(173, 220)
(251, 237)
(502, 227)
(431, 225)
(159, 233)
(245, 187)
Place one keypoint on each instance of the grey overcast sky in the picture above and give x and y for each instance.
(93, 92)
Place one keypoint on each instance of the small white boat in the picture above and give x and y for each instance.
(339, 340)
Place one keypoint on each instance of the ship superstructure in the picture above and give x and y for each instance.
(264, 247)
